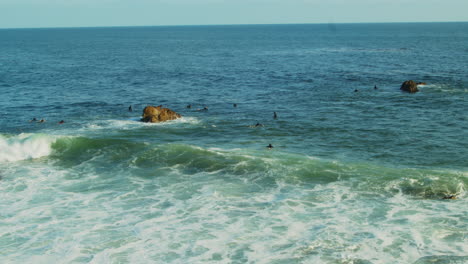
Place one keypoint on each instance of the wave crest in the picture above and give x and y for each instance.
(25, 146)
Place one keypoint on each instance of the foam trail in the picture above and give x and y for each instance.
(135, 123)
(25, 146)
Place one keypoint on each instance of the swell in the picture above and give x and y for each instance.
(264, 167)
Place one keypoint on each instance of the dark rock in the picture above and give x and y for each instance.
(155, 114)
(442, 260)
(450, 197)
(409, 86)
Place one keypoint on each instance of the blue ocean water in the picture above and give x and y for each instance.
(354, 176)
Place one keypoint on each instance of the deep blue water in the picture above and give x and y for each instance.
(354, 177)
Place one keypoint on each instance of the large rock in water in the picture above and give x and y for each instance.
(155, 114)
(409, 86)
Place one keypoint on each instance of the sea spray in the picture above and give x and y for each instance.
(25, 146)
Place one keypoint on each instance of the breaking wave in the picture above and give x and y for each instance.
(25, 146)
(147, 159)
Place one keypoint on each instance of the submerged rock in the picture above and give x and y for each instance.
(442, 260)
(450, 197)
(409, 86)
(155, 114)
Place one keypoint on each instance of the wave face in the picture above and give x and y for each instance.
(25, 146)
(373, 176)
(268, 167)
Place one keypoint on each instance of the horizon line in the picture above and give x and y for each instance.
(246, 24)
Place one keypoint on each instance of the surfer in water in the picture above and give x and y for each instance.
(130, 109)
(269, 146)
(257, 125)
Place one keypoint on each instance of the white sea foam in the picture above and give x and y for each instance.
(213, 218)
(25, 146)
(442, 87)
(208, 219)
(134, 123)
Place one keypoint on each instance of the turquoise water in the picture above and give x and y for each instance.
(354, 177)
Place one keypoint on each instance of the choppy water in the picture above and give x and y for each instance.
(354, 177)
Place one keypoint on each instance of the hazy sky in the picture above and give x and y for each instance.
(85, 13)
